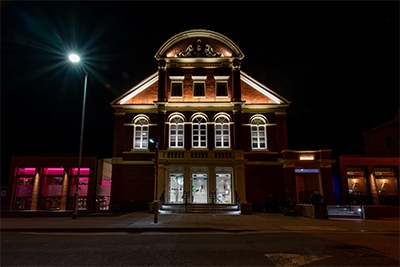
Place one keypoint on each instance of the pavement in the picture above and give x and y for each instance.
(141, 221)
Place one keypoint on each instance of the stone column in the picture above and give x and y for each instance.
(238, 127)
(237, 92)
(35, 192)
(211, 181)
(64, 192)
(162, 80)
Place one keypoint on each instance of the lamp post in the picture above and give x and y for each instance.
(155, 204)
(75, 59)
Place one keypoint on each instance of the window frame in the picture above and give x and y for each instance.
(144, 144)
(199, 135)
(219, 80)
(257, 133)
(222, 135)
(173, 84)
(176, 135)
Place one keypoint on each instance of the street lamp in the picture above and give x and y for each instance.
(155, 206)
(75, 59)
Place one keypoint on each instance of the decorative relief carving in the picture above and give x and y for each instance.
(199, 50)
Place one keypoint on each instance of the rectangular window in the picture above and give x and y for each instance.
(258, 137)
(141, 137)
(222, 89)
(176, 135)
(199, 89)
(24, 189)
(222, 135)
(199, 135)
(176, 89)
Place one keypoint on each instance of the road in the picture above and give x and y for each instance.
(199, 249)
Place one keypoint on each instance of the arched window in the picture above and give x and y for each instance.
(141, 133)
(222, 132)
(199, 132)
(176, 132)
(258, 133)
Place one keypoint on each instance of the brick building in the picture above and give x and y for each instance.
(219, 136)
(373, 178)
(48, 182)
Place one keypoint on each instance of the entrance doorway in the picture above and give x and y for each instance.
(223, 188)
(175, 188)
(199, 187)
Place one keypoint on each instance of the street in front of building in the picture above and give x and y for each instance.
(133, 239)
(198, 249)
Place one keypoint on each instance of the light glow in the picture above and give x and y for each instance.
(74, 58)
(306, 157)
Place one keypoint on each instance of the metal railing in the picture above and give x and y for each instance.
(185, 196)
(213, 196)
(347, 198)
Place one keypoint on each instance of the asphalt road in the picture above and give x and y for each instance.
(199, 249)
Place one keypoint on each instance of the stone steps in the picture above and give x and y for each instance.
(200, 208)
(342, 212)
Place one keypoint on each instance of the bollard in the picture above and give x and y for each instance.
(155, 209)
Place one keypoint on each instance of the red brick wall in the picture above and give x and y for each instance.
(132, 185)
(261, 181)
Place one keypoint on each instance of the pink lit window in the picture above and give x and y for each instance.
(53, 171)
(83, 171)
(26, 171)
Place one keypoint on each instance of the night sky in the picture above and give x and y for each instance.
(336, 62)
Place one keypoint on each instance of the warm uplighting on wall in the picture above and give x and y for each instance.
(306, 157)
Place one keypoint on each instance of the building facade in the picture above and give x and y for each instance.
(200, 130)
(373, 178)
(49, 183)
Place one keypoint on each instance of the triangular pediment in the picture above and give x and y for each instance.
(253, 92)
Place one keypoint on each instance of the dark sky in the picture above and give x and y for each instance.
(337, 62)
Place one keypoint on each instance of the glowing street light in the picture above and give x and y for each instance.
(75, 58)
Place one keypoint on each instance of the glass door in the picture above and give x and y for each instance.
(223, 188)
(199, 187)
(175, 188)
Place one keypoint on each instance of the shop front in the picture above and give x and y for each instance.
(203, 188)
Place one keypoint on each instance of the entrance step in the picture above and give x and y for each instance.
(343, 212)
(200, 208)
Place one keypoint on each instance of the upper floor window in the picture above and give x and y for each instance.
(199, 89)
(176, 132)
(176, 89)
(258, 133)
(199, 86)
(221, 86)
(176, 86)
(221, 89)
(199, 132)
(141, 133)
(222, 132)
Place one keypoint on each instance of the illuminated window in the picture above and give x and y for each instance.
(176, 89)
(24, 188)
(141, 133)
(258, 133)
(176, 132)
(52, 183)
(222, 132)
(199, 132)
(221, 89)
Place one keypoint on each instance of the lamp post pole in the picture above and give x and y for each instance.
(155, 204)
(75, 58)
